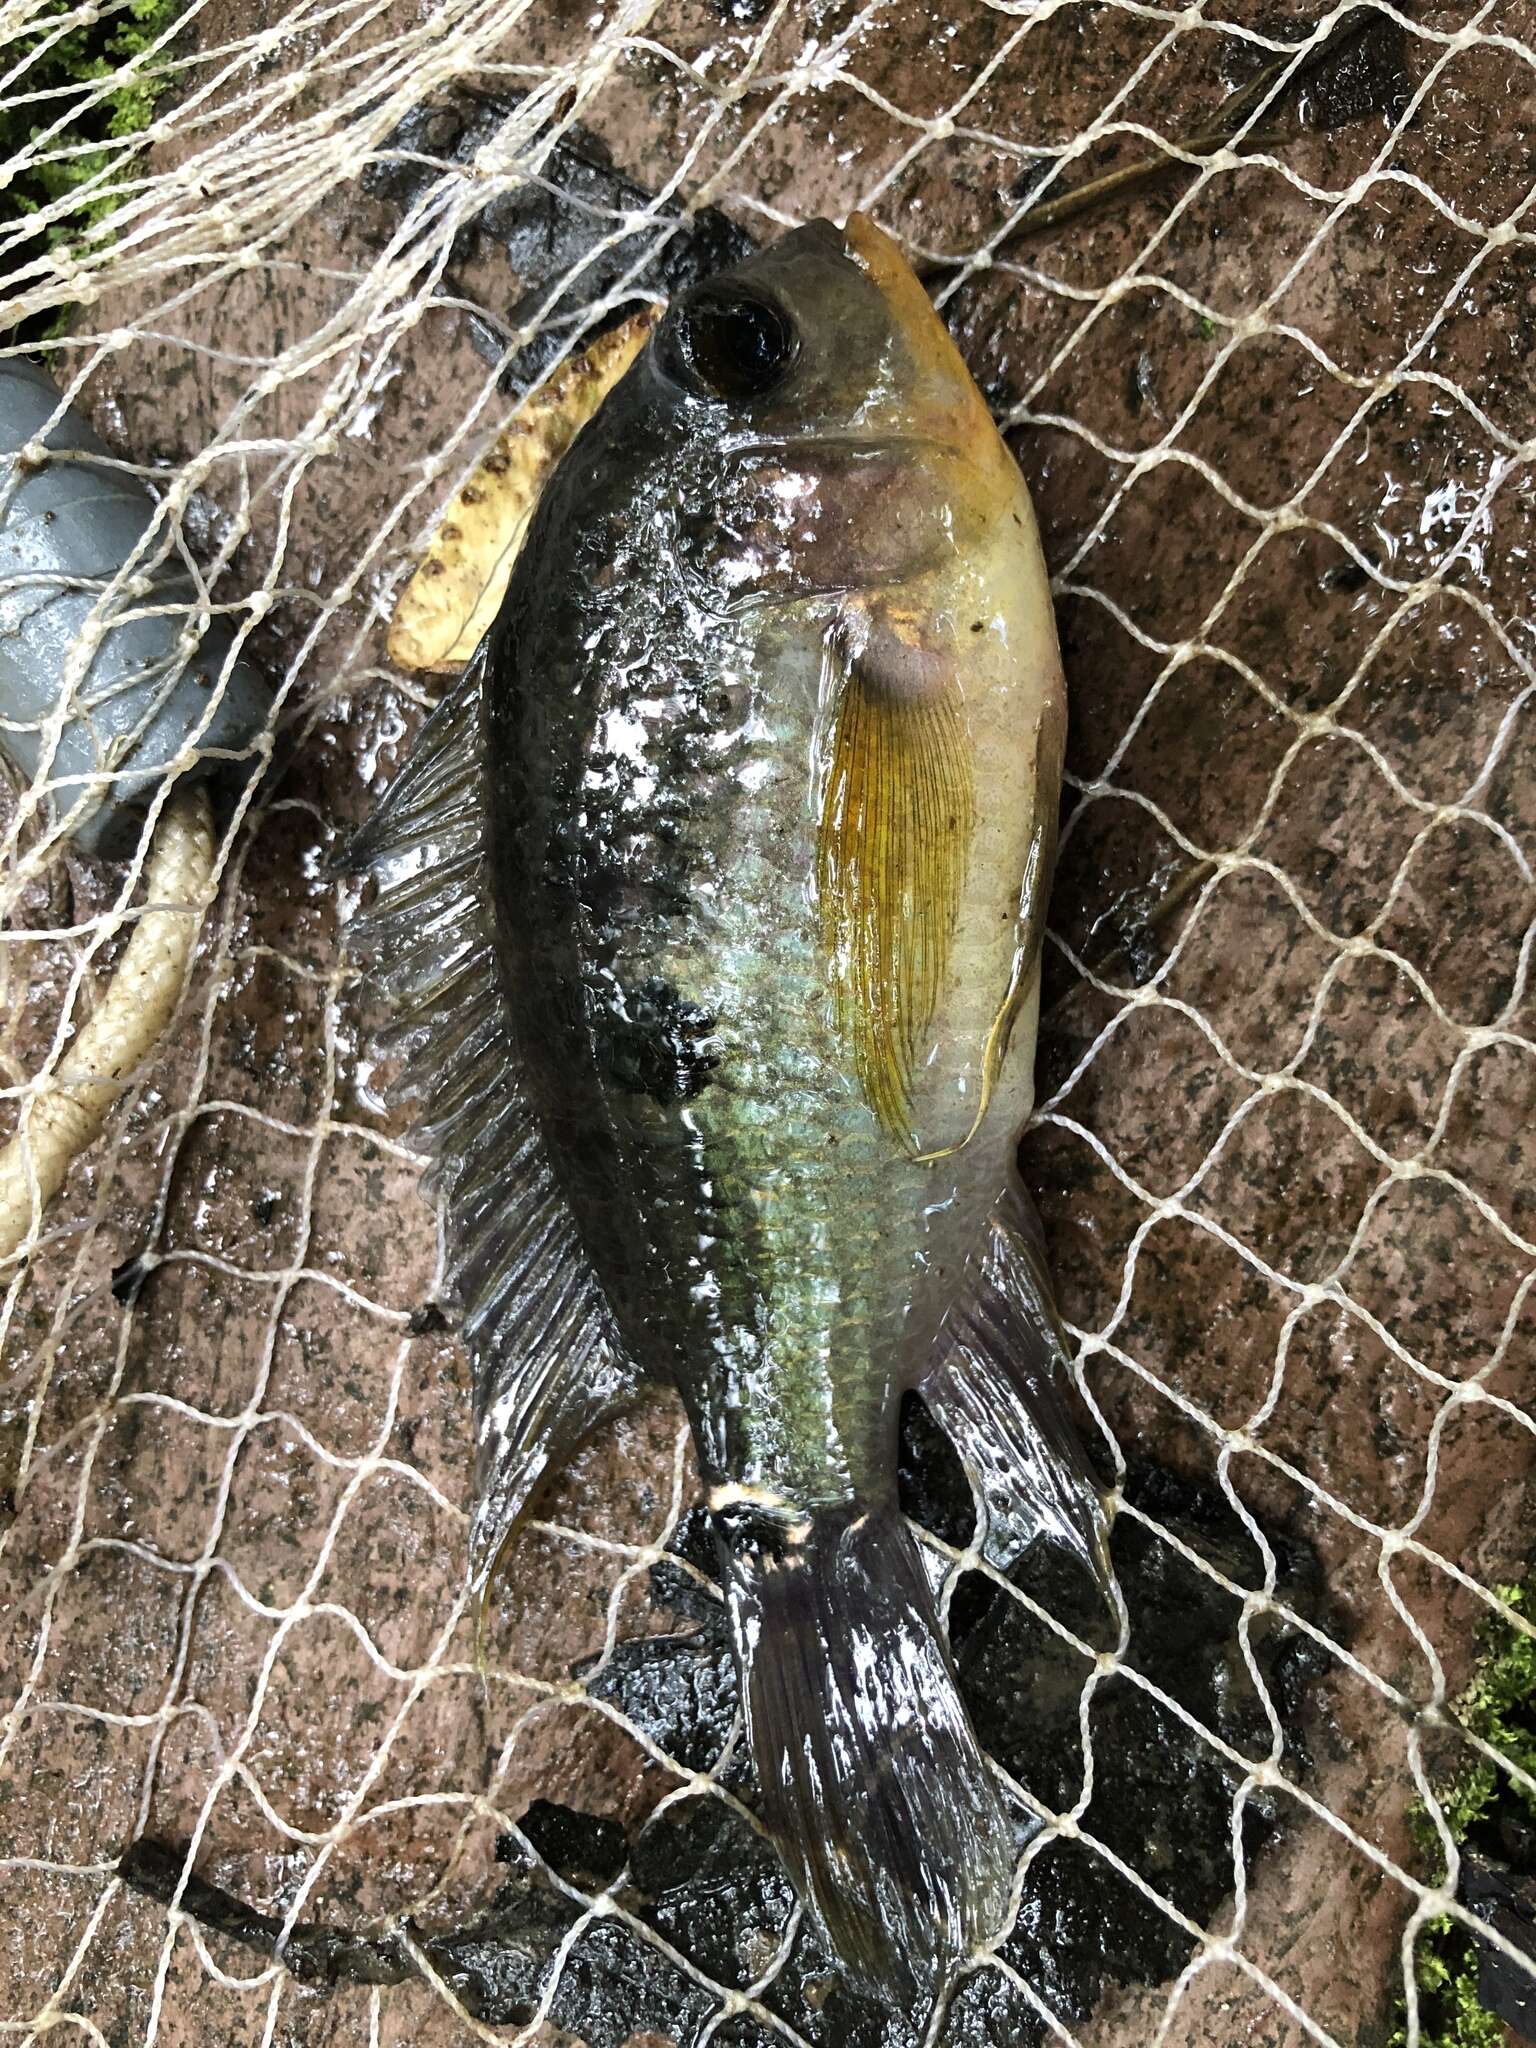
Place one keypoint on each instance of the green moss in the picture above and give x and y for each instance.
(1500, 1707)
(1450, 2014)
(69, 69)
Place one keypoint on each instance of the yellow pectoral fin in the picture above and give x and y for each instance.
(897, 814)
(1025, 967)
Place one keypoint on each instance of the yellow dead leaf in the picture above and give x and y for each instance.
(445, 609)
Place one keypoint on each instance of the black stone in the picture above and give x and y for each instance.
(988, 2011)
(678, 1591)
(826, 2008)
(583, 1848)
(550, 227)
(497, 1968)
(713, 1892)
(128, 1278)
(615, 1985)
(931, 1482)
(1367, 75)
(681, 1691)
(718, 1892)
(1506, 1900)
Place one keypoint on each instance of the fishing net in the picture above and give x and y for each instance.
(1250, 286)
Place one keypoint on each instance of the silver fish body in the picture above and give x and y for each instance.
(713, 898)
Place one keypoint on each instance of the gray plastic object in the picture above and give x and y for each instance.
(67, 527)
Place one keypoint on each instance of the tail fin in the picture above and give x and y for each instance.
(872, 1781)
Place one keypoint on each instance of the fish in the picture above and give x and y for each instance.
(711, 902)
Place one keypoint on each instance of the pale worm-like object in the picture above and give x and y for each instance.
(69, 1109)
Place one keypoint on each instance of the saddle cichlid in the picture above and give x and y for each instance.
(712, 901)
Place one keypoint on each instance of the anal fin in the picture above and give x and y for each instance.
(545, 1360)
(996, 1386)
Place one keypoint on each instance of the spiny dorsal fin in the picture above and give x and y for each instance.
(545, 1360)
(897, 810)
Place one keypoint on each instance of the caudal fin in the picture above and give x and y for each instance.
(872, 1781)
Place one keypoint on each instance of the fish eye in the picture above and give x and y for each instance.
(724, 342)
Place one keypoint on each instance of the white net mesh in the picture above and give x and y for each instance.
(1276, 411)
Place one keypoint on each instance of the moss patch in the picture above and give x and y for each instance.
(1500, 1707)
(1450, 2012)
(69, 68)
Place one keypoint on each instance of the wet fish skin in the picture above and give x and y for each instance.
(726, 1055)
(683, 579)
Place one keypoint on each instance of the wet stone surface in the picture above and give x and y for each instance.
(1172, 1732)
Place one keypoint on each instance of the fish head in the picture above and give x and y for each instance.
(849, 448)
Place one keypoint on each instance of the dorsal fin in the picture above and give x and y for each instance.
(545, 1359)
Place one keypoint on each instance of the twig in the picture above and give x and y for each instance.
(60, 1121)
(1281, 74)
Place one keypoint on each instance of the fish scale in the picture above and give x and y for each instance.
(713, 898)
